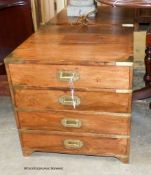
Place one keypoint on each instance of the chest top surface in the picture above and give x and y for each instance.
(61, 41)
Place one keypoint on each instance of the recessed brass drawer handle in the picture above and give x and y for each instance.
(68, 75)
(69, 101)
(71, 123)
(73, 144)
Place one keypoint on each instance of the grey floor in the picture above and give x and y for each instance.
(12, 162)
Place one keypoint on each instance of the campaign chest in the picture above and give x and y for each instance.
(71, 87)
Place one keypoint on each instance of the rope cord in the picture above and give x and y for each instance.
(83, 20)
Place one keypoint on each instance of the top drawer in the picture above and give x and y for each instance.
(89, 77)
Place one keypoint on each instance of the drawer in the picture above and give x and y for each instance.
(74, 144)
(82, 101)
(110, 77)
(104, 123)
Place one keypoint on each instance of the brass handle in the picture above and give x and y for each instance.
(68, 75)
(73, 144)
(71, 123)
(69, 101)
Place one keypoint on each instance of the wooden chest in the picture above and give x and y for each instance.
(71, 86)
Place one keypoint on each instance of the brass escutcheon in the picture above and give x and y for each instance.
(69, 101)
(71, 123)
(68, 75)
(73, 144)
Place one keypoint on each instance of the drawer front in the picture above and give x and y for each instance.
(110, 77)
(89, 145)
(107, 123)
(63, 100)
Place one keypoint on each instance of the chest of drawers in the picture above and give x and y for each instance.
(71, 88)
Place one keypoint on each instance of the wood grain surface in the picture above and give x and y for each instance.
(106, 16)
(90, 77)
(64, 43)
(92, 145)
(90, 101)
(105, 123)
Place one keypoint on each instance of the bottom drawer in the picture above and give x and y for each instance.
(89, 144)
